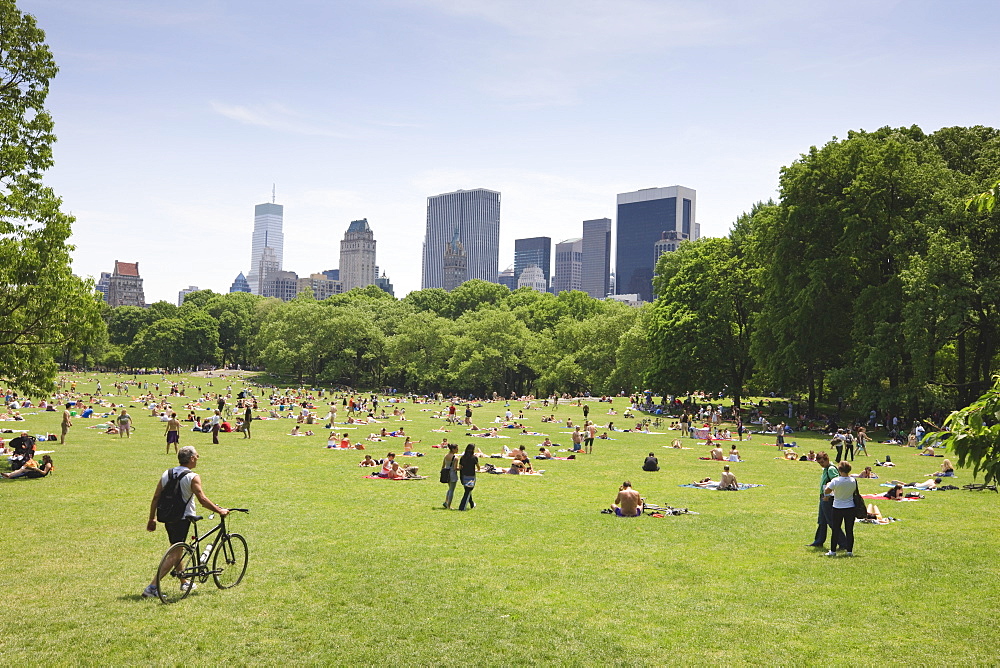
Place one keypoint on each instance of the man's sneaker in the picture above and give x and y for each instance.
(150, 592)
(831, 553)
(188, 586)
(850, 554)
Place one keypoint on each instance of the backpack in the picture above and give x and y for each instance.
(171, 505)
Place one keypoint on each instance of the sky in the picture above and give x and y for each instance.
(175, 119)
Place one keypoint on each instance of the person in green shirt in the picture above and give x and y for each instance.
(825, 505)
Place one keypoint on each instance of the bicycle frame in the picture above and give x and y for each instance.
(201, 570)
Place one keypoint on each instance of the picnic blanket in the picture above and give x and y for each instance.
(377, 477)
(880, 497)
(742, 486)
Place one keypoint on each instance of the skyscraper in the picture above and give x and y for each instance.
(357, 256)
(507, 278)
(532, 277)
(534, 251)
(643, 217)
(476, 213)
(267, 265)
(240, 284)
(183, 293)
(125, 285)
(267, 223)
(595, 278)
(456, 263)
(569, 265)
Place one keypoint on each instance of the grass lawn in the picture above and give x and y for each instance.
(345, 570)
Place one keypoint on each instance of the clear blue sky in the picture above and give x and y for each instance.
(174, 118)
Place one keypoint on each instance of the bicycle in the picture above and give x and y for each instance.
(184, 564)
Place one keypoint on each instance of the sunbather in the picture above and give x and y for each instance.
(947, 469)
(32, 470)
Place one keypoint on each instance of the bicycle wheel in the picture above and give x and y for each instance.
(230, 561)
(179, 561)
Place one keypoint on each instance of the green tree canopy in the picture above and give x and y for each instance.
(43, 306)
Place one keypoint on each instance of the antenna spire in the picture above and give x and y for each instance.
(272, 193)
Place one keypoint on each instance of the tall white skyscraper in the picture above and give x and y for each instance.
(476, 214)
(569, 265)
(267, 223)
(357, 256)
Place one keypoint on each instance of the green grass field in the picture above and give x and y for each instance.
(345, 570)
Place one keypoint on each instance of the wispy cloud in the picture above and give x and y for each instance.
(280, 118)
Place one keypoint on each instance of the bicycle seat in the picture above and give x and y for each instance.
(193, 518)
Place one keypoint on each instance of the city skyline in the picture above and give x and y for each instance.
(557, 105)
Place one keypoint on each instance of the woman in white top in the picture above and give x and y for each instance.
(842, 489)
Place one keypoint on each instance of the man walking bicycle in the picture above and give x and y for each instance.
(172, 502)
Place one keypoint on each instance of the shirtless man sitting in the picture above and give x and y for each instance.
(716, 454)
(628, 503)
(728, 480)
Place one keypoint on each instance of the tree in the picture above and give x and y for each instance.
(43, 306)
(701, 321)
(973, 433)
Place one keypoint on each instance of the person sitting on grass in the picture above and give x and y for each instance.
(628, 503)
(408, 449)
(651, 463)
(728, 480)
(32, 470)
(928, 452)
(544, 453)
(715, 454)
(867, 473)
(734, 454)
(387, 463)
(947, 470)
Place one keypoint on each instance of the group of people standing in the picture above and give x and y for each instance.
(455, 469)
(836, 506)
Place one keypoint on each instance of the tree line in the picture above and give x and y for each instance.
(869, 281)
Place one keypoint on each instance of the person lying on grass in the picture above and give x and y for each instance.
(896, 493)
(867, 473)
(32, 470)
(367, 461)
(925, 485)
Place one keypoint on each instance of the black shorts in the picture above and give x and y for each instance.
(177, 532)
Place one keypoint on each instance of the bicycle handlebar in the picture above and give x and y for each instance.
(239, 510)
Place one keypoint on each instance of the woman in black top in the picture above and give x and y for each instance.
(467, 466)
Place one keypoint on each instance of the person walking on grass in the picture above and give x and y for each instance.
(66, 423)
(124, 421)
(248, 418)
(216, 422)
(451, 465)
(173, 432)
(468, 465)
(825, 518)
(186, 484)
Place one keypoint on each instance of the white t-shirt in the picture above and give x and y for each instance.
(843, 491)
(185, 487)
